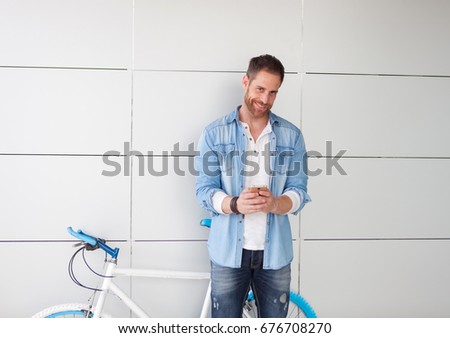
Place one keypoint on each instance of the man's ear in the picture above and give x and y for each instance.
(245, 81)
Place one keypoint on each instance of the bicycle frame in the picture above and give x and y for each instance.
(109, 286)
(112, 271)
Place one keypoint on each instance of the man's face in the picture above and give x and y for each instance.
(260, 92)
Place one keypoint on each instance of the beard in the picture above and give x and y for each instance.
(255, 106)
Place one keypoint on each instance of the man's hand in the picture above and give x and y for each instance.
(251, 201)
(270, 202)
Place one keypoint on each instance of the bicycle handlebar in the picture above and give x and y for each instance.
(82, 236)
(99, 243)
(93, 241)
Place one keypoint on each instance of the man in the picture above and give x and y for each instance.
(252, 174)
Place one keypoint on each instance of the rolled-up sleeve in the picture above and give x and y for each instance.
(207, 169)
(297, 178)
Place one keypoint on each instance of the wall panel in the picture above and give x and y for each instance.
(377, 279)
(376, 37)
(42, 195)
(56, 111)
(215, 35)
(66, 33)
(377, 116)
(378, 198)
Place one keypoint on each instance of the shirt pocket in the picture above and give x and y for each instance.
(284, 157)
(226, 155)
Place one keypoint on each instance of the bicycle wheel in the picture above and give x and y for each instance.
(298, 307)
(67, 311)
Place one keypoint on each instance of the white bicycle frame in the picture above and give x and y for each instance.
(112, 271)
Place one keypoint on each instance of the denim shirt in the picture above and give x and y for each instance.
(220, 164)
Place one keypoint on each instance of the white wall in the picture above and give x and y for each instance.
(81, 78)
(376, 83)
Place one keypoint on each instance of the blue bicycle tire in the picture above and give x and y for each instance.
(303, 305)
(71, 314)
(68, 311)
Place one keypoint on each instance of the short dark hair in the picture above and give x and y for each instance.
(265, 62)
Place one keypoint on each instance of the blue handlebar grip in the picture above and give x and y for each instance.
(112, 252)
(82, 236)
(206, 222)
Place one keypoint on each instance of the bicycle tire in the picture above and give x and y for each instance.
(68, 311)
(298, 307)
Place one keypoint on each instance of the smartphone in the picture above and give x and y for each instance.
(257, 188)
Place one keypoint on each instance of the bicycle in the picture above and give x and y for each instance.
(298, 306)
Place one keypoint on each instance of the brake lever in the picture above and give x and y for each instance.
(78, 244)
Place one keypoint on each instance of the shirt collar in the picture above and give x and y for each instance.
(234, 116)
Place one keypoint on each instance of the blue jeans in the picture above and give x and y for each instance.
(229, 288)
